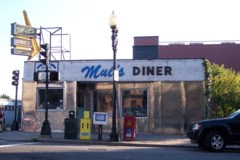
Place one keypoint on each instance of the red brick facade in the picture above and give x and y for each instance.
(227, 54)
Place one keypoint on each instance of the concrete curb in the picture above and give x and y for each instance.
(108, 143)
(142, 140)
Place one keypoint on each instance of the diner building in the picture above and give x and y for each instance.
(165, 95)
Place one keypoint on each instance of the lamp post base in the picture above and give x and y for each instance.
(15, 126)
(46, 130)
(114, 136)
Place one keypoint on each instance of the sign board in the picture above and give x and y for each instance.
(39, 67)
(128, 70)
(100, 118)
(22, 52)
(116, 75)
(15, 41)
(21, 42)
(20, 30)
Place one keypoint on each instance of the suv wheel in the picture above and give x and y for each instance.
(214, 141)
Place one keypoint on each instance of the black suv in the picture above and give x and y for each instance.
(215, 134)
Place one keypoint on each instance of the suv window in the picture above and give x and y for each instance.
(234, 114)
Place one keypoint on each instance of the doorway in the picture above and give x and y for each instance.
(84, 100)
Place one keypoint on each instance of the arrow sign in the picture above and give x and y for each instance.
(21, 51)
(15, 41)
(21, 30)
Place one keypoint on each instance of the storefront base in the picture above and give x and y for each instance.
(171, 106)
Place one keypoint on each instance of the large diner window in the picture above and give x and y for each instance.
(103, 101)
(55, 98)
(134, 102)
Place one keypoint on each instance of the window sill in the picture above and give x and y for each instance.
(50, 110)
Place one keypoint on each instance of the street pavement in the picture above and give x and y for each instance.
(151, 140)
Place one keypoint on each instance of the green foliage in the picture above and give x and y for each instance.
(222, 90)
(4, 96)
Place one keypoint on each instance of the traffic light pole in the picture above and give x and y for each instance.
(46, 94)
(15, 82)
(46, 129)
(15, 125)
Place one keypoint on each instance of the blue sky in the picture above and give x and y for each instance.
(87, 22)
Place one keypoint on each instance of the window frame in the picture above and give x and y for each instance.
(121, 101)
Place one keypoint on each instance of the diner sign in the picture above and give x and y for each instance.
(132, 70)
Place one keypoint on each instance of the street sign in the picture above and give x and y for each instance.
(16, 41)
(21, 40)
(116, 75)
(21, 30)
(21, 51)
(100, 118)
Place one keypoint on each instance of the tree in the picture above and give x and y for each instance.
(222, 90)
(5, 96)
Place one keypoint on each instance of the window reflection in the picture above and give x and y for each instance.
(55, 98)
(103, 101)
(134, 102)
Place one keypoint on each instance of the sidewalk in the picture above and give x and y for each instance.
(144, 140)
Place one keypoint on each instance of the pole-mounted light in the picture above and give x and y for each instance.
(113, 25)
(112, 21)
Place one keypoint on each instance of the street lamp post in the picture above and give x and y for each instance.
(113, 25)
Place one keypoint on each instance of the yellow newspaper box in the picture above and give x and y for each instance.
(86, 115)
(85, 126)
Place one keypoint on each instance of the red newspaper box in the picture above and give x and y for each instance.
(129, 128)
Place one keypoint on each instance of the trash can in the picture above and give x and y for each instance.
(129, 128)
(71, 128)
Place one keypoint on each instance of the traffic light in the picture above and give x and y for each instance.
(35, 76)
(54, 76)
(45, 53)
(15, 77)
